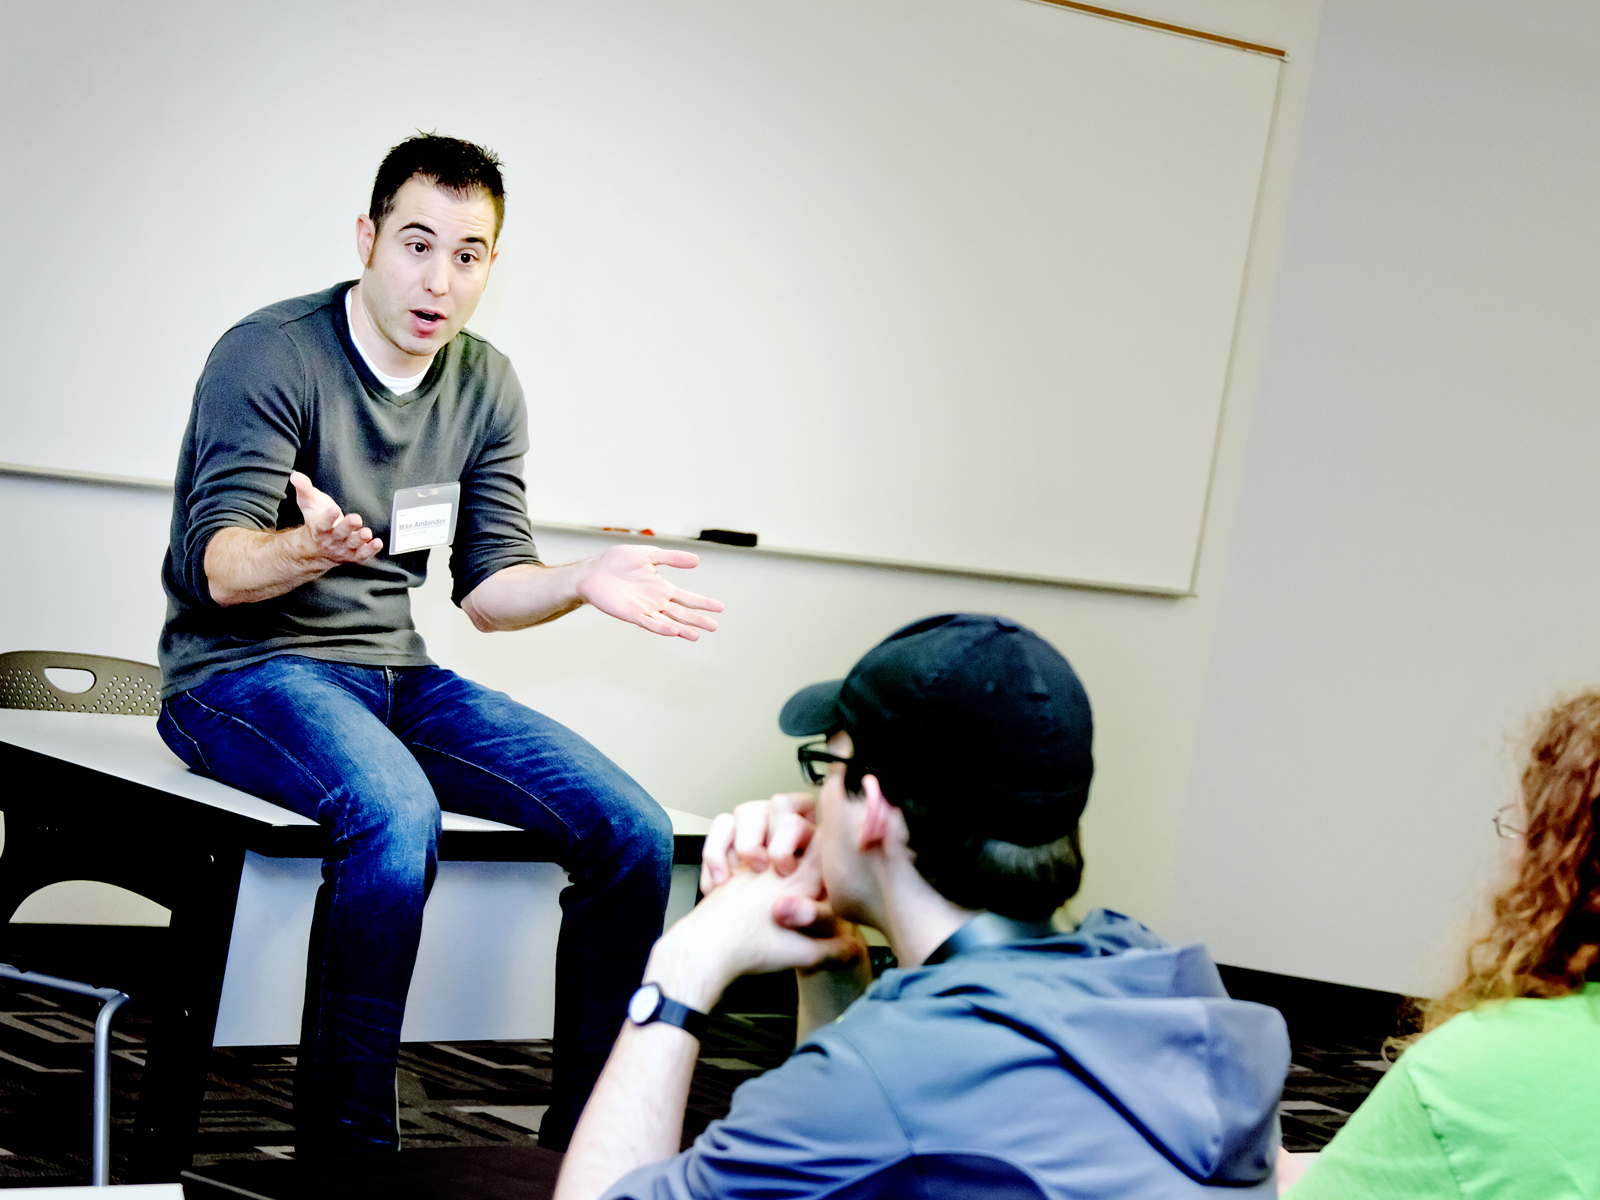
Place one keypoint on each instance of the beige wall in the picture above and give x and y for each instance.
(1415, 564)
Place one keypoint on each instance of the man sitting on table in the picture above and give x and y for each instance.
(1003, 1057)
(292, 669)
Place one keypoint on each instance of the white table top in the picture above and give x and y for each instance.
(130, 748)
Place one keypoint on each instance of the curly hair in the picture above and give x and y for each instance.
(1544, 934)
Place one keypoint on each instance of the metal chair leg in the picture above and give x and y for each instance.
(102, 1088)
(110, 1000)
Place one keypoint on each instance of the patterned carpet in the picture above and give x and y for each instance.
(451, 1093)
(462, 1094)
(1328, 1079)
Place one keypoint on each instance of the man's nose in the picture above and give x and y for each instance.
(436, 277)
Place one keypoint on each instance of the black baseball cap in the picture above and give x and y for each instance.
(964, 716)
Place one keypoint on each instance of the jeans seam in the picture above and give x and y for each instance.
(271, 741)
(577, 837)
(172, 719)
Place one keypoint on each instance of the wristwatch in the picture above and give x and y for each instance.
(648, 1004)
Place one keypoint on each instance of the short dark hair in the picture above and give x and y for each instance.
(448, 163)
(1027, 883)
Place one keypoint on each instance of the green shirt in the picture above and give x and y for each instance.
(1500, 1101)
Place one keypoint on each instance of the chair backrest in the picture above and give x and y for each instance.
(121, 686)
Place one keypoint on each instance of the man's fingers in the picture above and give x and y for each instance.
(802, 804)
(796, 912)
(790, 835)
(838, 952)
(829, 942)
(306, 494)
(807, 877)
(696, 600)
(714, 868)
(322, 515)
(750, 834)
(687, 616)
(349, 536)
(656, 623)
(755, 833)
(663, 557)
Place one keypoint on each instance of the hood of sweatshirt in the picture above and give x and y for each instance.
(1147, 1026)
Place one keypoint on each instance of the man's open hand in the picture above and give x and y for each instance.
(333, 535)
(624, 583)
(245, 566)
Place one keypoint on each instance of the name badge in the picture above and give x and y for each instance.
(423, 517)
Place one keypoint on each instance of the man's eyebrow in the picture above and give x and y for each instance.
(484, 242)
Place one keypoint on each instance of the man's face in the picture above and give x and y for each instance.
(836, 839)
(427, 267)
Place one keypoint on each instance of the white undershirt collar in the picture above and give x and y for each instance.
(398, 384)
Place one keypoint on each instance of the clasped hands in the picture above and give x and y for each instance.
(765, 909)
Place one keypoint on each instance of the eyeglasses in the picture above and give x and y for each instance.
(811, 754)
(1503, 827)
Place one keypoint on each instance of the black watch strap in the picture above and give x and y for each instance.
(671, 1012)
(691, 1020)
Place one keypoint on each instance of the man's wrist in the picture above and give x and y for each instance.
(581, 570)
(686, 974)
(302, 552)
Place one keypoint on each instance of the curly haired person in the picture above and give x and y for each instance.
(1500, 1096)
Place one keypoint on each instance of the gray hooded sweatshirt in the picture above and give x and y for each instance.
(1100, 1063)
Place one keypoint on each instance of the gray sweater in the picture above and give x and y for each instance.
(285, 389)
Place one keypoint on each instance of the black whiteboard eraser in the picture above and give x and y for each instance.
(727, 537)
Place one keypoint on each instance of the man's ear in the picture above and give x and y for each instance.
(366, 238)
(877, 815)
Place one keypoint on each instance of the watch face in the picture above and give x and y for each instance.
(644, 1003)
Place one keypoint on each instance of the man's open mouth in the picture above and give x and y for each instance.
(427, 315)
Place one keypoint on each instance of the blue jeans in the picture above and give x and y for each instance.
(367, 752)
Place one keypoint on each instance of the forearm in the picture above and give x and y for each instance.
(246, 565)
(635, 1115)
(524, 595)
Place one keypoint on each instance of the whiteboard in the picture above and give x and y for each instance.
(942, 282)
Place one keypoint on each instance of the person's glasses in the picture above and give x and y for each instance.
(814, 760)
(1504, 827)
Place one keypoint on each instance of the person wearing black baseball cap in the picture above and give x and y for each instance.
(1003, 1056)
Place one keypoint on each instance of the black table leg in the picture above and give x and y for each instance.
(179, 1050)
